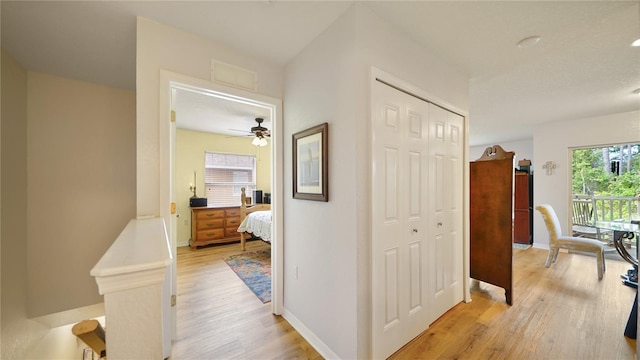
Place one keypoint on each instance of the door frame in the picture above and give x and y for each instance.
(166, 136)
(404, 86)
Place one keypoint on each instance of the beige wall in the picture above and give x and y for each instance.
(80, 186)
(17, 332)
(190, 149)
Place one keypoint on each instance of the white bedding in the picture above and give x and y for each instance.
(257, 223)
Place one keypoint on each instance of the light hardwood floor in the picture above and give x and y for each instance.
(562, 312)
(220, 318)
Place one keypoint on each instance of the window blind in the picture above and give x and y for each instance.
(225, 175)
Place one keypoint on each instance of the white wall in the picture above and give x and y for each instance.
(329, 82)
(551, 142)
(320, 238)
(160, 47)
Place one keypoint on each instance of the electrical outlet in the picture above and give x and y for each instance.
(87, 354)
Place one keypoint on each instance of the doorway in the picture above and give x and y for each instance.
(169, 83)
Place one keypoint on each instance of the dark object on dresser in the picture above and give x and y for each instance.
(257, 196)
(197, 202)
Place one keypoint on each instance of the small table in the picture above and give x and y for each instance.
(629, 231)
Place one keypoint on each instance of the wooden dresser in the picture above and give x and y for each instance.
(211, 225)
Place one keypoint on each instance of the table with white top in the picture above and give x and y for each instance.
(625, 232)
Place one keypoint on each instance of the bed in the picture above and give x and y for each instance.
(254, 220)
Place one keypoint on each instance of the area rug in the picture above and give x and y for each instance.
(521, 246)
(254, 269)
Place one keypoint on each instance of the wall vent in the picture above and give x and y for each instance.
(235, 76)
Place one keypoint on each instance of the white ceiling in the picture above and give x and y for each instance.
(583, 66)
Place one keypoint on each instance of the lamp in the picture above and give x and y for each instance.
(259, 140)
(192, 186)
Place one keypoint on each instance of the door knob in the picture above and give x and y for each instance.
(415, 231)
(439, 224)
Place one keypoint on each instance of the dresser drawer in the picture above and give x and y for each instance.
(211, 234)
(232, 213)
(231, 232)
(232, 222)
(210, 214)
(210, 223)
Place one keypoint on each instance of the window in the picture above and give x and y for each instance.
(225, 175)
(609, 176)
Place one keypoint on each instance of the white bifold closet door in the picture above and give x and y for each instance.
(417, 216)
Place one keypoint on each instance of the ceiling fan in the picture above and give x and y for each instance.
(259, 132)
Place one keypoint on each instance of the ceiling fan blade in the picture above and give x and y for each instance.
(244, 131)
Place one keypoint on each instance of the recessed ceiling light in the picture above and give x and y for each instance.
(636, 43)
(528, 41)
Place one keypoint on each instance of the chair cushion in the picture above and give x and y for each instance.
(578, 243)
(585, 229)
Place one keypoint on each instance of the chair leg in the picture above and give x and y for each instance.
(555, 254)
(600, 264)
(549, 257)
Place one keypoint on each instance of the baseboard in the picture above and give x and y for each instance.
(182, 243)
(308, 335)
(541, 247)
(72, 316)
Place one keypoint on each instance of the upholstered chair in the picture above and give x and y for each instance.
(557, 241)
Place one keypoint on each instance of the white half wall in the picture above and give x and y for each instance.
(552, 141)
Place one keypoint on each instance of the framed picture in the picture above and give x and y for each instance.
(311, 164)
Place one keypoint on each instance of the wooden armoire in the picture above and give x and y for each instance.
(490, 218)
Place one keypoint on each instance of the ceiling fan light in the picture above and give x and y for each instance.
(636, 43)
(256, 141)
(263, 142)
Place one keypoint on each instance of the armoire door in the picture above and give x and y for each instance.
(522, 209)
(411, 252)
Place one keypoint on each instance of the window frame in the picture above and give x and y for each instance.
(236, 185)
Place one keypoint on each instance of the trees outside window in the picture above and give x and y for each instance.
(607, 171)
(610, 177)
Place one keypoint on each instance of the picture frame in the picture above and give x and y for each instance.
(311, 163)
